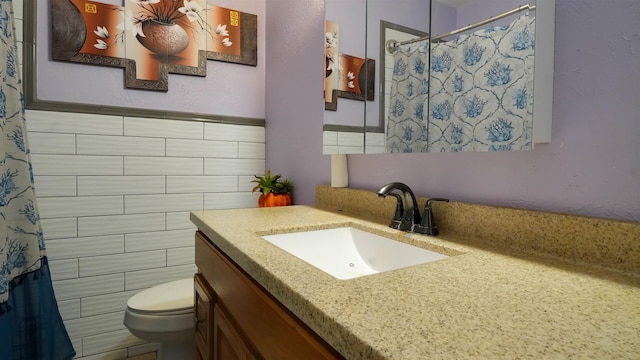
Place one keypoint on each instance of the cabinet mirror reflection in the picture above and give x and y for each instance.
(469, 86)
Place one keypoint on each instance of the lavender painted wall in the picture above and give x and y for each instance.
(591, 167)
(294, 106)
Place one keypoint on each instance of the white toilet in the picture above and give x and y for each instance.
(164, 314)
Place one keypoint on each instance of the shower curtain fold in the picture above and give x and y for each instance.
(31, 327)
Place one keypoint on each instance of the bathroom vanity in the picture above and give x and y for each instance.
(254, 300)
(237, 319)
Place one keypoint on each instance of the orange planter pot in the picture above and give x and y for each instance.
(272, 200)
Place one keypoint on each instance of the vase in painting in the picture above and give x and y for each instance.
(163, 39)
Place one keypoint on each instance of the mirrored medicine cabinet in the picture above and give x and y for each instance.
(406, 76)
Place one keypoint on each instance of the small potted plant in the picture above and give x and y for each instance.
(275, 190)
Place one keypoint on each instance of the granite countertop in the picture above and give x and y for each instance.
(479, 303)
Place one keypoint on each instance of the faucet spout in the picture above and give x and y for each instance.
(411, 212)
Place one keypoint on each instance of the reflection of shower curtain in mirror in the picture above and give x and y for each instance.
(478, 95)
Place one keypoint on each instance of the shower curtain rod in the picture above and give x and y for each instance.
(392, 45)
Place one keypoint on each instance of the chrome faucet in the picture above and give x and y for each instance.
(411, 213)
(410, 220)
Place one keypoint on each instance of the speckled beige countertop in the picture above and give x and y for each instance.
(478, 303)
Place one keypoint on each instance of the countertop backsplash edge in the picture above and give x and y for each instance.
(604, 243)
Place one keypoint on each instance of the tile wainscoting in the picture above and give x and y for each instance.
(114, 195)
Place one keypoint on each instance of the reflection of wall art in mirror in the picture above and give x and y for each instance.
(151, 39)
(346, 76)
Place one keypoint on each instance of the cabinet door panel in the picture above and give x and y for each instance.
(203, 312)
(228, 343)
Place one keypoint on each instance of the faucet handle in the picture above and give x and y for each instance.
(428, 225)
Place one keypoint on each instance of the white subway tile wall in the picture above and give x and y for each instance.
(339, 142)
(375, 143)
(114, 195)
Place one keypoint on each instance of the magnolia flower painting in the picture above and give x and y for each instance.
(153, 32)
(346, 76)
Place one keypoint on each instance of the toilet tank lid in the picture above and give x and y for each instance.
(174, 295)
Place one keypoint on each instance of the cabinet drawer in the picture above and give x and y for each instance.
(267, 327)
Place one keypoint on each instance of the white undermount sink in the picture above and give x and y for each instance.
(348, 252)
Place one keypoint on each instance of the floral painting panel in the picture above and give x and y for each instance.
(98, 18)
(350, 77)
(225, 25)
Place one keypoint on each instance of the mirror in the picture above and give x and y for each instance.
(474, 103)
(345, 100)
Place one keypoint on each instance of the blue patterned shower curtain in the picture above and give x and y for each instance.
(477, 96)
(30, 323)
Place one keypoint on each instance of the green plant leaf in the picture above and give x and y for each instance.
(272, 183)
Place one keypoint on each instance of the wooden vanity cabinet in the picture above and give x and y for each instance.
(242, 320)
